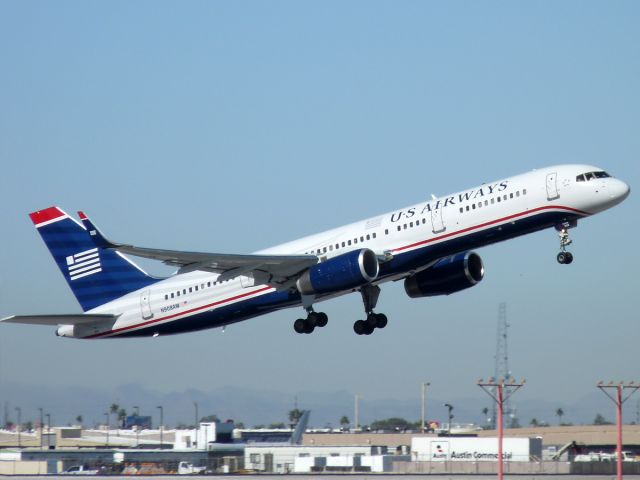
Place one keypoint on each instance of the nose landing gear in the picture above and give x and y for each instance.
(564, 257)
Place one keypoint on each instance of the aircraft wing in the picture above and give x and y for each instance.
(71, 319)
(278, 269)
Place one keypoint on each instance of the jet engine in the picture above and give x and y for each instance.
(449, 275)
(346, 271)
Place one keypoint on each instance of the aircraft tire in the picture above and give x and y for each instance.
(299, 325)
(568, 258)
(381, 320)
(359, 327)
(562, 258)
(321, 319)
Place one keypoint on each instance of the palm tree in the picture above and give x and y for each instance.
(122, 414)
(79, 420)
(534, 422)
(559, 413)
(344, 422)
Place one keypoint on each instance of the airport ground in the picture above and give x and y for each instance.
(354, 476)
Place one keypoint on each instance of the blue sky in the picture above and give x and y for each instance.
(234, 126)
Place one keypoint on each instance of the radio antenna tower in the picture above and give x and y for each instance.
(502, 358)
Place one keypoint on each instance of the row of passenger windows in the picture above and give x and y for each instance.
(585, 177)
(344, 244)
(184, 291)
(498, 199)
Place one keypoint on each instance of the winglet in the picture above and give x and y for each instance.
(96, 235)
(47, 216)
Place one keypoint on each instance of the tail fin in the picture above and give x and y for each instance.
(95, 274)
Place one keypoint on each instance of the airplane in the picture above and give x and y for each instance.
(428, 245)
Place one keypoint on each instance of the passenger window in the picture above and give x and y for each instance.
(184, 291)
(355, 241)
(208, 284)
(399, 228)
(196, 288)
(467, 208)
(343, 244)
(492, 201)
(473, 206)
(374, 234)
(511, 195)
(331, 248)
(424, 220)
(386, 231)
(480, 205)
(172, 295)
(411, 224)
(498, 199)
(324, 250)
(524, 191)
(404, 226)
(361, 239)
(486, 203)
(461, 210)
(166, 297)
(349, 243)
(504, 198)
(178, 293)
(518, 193)
(190, 289)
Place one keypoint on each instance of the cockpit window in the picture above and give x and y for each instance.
(591, 176)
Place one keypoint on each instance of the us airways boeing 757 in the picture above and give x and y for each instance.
(428, 246)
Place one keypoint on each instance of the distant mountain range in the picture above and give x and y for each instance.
(262, 407)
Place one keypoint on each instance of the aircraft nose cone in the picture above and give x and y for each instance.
(620, 190)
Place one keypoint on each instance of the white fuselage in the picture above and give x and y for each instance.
(409, 239)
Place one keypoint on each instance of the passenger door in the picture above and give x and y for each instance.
(552, 186)
(436, 220)
(145, 304)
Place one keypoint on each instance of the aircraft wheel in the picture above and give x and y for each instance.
(321, 319)
(312, 319)
(562, 257)
(381, 320)
(299, 325)
(309, 327)
(372, 320)
(360, 327)
(368, 328)
(568, 258)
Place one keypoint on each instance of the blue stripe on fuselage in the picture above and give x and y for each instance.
(402, 262)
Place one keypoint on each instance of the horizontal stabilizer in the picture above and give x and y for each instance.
(71, 319)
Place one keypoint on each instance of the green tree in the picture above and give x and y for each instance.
(344, 422)
(210, 418)
(114, 408)
(294, 415)
(277, 425)
(534, 422)
(559, 413)
(79, 420)
(394, 423)
(600, 420)
(122, 415)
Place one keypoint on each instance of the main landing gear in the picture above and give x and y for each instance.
(564, 257)
(313, 320)
(370, 294)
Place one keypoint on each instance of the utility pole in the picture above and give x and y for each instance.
(357, 411)
(424, 403)
(450, 408)
(108, 419)
(137, 414)
(619, 399)
(19, 411)
(500, 391)
(161, 423)
(48, 415)
(196, 425)
(41, 426)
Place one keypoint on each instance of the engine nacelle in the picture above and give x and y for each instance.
(447, 276)
(349, 270)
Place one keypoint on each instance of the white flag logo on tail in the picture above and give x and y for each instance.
(83, 264)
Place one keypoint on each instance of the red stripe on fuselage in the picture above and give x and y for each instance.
(486, 224)
(168, 317)
(423, 242)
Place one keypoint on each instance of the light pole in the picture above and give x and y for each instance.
(500, 392)
(137, 409)
(19, 411)
(424, 402)
(195, 425)
(107, 417)
(450, 408)
(41, 426)
(48, 415)
(618, 400)
(161, 423)
(357, 411)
